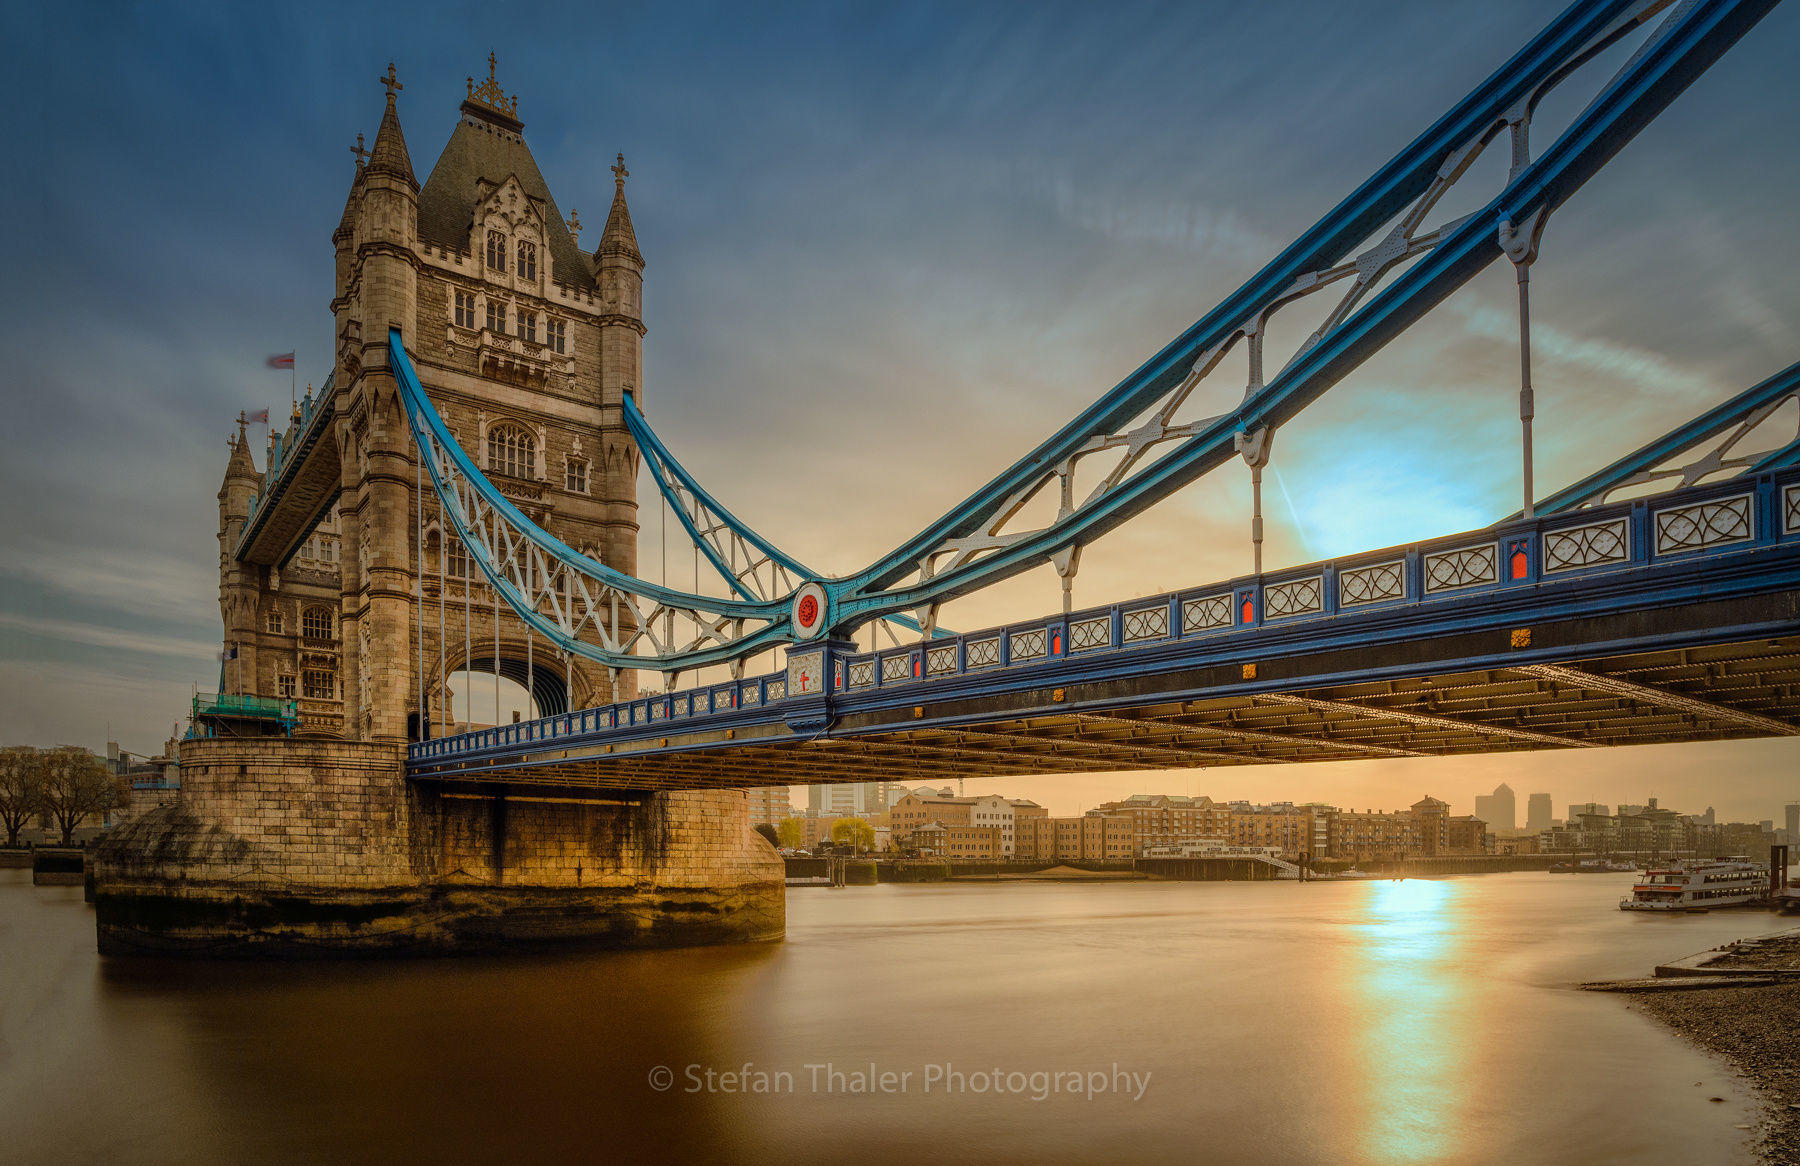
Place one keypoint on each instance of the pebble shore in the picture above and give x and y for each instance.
(1753, 1026)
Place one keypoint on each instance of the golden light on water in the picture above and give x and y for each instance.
(1411, 995)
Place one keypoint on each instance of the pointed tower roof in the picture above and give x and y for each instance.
(347, 224)
(241, 465)
(389, 155)
(489, 144)
(618, 238)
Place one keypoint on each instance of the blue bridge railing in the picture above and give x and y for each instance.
(1736, 514)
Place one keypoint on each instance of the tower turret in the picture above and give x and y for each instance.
(377, 560)
(619, 270)
(620, 276)
(238, 581)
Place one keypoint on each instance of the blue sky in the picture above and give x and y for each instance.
(907, 241)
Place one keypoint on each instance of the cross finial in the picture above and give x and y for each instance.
(391, 81)
(490, 94)
(620, 174)
(574, 224)
(243, 420)
(362, 155)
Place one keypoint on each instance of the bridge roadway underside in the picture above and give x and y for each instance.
(1428, 703)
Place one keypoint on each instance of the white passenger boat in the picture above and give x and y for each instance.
(1725, 882)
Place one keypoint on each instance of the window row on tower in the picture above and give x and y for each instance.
(525, 321)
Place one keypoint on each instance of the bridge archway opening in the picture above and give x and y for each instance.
(479, 696)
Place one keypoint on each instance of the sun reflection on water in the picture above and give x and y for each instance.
(1411, 996)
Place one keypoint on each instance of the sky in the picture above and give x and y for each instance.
(889, 248)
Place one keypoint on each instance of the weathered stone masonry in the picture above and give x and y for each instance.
(318, 844)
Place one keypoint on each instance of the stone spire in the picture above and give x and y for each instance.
(346, 227)
(241, 465)
(389, 155)
(618, 238)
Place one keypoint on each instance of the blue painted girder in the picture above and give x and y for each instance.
(1690, 41)
(1709, 424)
(1651, 81)
(664, 465)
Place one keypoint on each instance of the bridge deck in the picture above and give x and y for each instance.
(1675, 618)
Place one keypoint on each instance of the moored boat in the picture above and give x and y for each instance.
(1725, 882)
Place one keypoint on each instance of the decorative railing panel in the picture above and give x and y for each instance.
(1024, 647)
(1704, 524)
(1593, 545)
(1294, 597)
(1146, 623)
(982, 653)
(1462, 567)
(941, 661)
(1205, 613)
(1372, 584)
(1087, 635)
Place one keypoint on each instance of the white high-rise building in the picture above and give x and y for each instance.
(858, 799)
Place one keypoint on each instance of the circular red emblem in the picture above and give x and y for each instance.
(809, 611)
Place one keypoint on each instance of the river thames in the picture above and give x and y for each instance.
(1424, 1021)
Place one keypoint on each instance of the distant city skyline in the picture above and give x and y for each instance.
(1679, 776)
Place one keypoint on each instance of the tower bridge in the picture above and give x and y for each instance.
(461, 495)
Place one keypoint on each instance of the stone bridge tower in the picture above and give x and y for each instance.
(526, 344)
(332, 582)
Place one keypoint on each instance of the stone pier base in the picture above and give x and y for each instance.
(283, 847)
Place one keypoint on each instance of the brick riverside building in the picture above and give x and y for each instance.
(1425, 830)
(1283, 826)
(917, 809)
(1311, 830)
(957, 843)
(1092, 837)
(1165, 819)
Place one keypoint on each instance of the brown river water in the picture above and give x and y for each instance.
(1387, 1023)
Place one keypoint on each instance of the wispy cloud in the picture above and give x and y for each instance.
(112, 639)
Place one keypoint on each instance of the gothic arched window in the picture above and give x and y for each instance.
(576, 475)
(511, 451)
(458, 564)
(318, 683)
(527, 253)
(496, 251)
(275, 624)
(315, 623)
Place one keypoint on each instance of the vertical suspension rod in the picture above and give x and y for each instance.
(1520, 244)
(424, 715)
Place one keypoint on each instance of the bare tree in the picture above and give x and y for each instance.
(21, 788)
(78, 785)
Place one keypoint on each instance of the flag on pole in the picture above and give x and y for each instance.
(228, 654)
(260, 417)
(281, 360)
